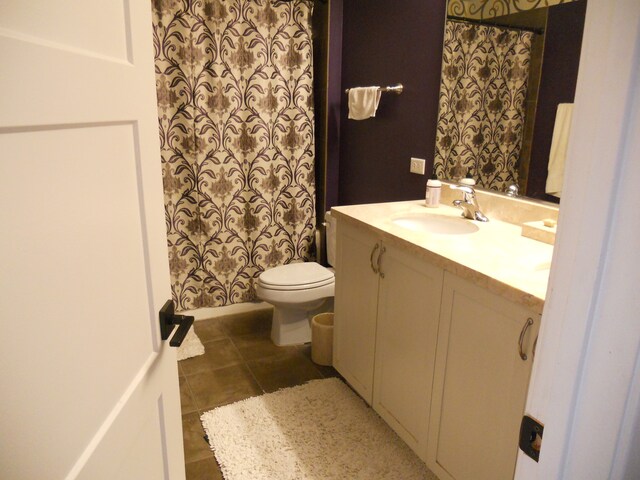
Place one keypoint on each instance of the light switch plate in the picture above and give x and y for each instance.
(417, 165)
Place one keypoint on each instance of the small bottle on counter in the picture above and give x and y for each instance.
(434, 188)
(468, 180)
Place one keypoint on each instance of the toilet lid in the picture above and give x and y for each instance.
(296, 275)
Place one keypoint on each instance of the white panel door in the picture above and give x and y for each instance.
(89, 390)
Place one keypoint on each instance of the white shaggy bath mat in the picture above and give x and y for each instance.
(191, 346)
(320, 430)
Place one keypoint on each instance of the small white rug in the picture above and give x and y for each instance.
(317, 431)
(191, 346)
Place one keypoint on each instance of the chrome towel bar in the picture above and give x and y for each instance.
(397, 89)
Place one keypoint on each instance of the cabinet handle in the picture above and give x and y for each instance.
(382, 250)
(373, 252)
(523, 355)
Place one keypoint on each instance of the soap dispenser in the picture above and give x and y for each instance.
(434, 188)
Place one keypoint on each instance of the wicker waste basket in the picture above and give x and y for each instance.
(322, 339)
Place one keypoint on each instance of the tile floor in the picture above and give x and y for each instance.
(239, 362)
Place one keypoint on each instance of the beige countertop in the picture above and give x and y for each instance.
(496, 257)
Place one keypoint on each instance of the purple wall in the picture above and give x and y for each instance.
(334, 100)
(563, 42)
(384, 43)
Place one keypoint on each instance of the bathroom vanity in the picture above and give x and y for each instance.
(436, 319)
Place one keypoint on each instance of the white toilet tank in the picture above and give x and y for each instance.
(330, 235)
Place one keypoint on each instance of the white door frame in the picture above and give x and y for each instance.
(585, 386)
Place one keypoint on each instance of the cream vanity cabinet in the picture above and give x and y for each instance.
(483, 364)
(386, 326)
(443, 361)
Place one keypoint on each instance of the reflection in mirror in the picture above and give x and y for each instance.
(508, 80)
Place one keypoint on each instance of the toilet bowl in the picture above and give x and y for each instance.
(298, 291)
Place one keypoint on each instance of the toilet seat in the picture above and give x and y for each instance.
(296, 276)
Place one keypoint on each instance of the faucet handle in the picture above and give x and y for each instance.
(470, 207)
(468, 192)
(463, 188)
(512, 191)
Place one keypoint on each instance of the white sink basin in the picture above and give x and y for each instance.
(439, 224)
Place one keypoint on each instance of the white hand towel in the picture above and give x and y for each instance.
(558, 153)
(363, 102)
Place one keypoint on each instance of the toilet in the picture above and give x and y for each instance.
(298, 291)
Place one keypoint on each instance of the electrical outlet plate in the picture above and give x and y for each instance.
(417, 165)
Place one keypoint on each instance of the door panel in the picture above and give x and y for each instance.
(143, 411)
(102, 32)
(83, 257)
(58, 261)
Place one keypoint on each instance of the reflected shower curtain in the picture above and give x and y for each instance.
(483, 90)
(234, 84)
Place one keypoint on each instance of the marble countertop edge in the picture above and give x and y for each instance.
(491, 258)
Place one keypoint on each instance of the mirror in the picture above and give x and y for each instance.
(508, 80)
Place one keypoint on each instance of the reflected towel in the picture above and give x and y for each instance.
(363, 102)
(558, 153)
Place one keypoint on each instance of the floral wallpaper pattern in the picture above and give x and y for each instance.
(482, 103)
(234, 85)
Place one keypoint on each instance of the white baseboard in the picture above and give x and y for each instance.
(214, 312)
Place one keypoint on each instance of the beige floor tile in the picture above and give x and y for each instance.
(219, 387)
(208, 330)
(217, 354)
(284, 370)
(206, 469)
(258, 345)
(240, 361)
(246, 323)
(195, 446)
(187, 404)
(326, 371)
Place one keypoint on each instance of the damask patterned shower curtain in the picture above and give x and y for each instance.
(234, 84)
(485, 71)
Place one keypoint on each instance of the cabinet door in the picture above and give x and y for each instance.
(408, 314)
(355, 308)
(480, 383)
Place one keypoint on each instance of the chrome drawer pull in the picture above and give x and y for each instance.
(523, 355)
(382, 250)
(375, 249)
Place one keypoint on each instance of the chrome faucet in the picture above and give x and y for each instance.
(512, 191)
(469, 203)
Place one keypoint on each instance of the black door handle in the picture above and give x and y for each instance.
(169, 319)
